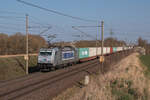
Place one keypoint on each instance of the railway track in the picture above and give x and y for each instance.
(18, 79)
(44, 86)
(22, 89)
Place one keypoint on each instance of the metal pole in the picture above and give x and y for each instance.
(96, 44)
(27, 52)
(102, 39)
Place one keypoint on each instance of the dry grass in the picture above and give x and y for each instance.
(10, 68)
(129, 69)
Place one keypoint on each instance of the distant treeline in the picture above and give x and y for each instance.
(16, 43)
(110, 42)
(144, 43)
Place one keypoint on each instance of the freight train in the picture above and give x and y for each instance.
(57, 57)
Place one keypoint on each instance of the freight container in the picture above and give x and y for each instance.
(83, 52)
(119, 48)
(125, 48)
(92, 52)
(114, 49)
(111, 50)
(104, 50)
(107, 50)
(99, 51)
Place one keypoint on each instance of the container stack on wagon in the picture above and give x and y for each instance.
(93, 52)
(107, 50)
(66, 55)
(114, 49)
(111, 49)
(119, 48)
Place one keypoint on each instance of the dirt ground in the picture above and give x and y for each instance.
(126, 81)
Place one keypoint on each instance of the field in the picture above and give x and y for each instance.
(145, 59)
(15, 67)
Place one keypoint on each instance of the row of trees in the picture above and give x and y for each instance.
(144, 43)
(110, 42)
(16, 44)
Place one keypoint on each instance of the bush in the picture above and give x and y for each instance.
(122, 90)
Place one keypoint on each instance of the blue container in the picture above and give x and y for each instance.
(83, 52)
(114, 49)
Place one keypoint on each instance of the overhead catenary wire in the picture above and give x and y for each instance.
(13, 19)
(86, 26)
(56, 12)
(6, 17)
(11, 12)
(45, 24)
(10, 32)
(12, 24)
(32, 20)
(75, 28)
(10, 27)
(45, 30)
(118, 33)
(45, 27)
(30, 27)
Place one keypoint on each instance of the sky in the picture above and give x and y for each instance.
(128, 19)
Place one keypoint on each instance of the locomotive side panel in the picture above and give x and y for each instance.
(67, 55)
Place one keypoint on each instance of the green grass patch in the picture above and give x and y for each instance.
(145, 59)
(122, 90)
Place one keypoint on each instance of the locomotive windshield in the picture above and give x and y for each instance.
(45, 53)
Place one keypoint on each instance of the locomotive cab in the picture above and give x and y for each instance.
(46, 58)
(57, 57)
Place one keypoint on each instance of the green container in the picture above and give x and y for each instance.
(83, 52)
(114, 49)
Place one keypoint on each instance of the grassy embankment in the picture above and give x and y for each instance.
(15, 67)
(145, 59)
(126, 81)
